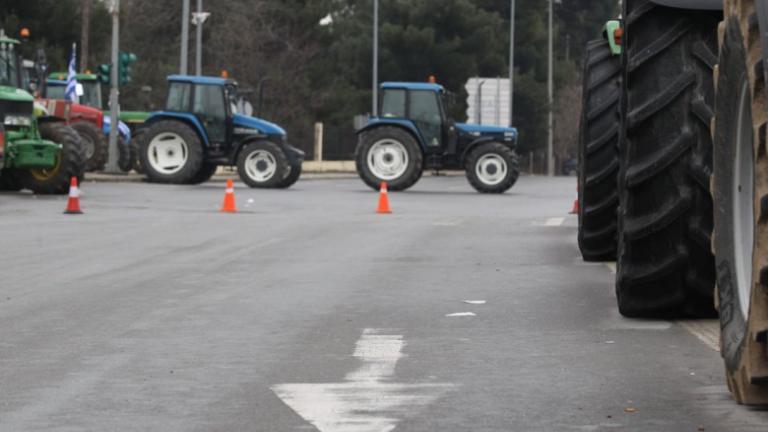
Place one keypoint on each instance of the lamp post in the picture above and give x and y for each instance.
(375, 108)
(550, 98)
(184, 37)
(511, 62)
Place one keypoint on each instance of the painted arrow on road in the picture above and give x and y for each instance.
(366, 401)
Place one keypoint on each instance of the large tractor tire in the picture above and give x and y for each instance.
(599, 153)
(388, 154)
(293, 177)
(124, 155)
(135, 148)
(492, 168)
(263, 164)
(9, 180)
(94, 145)
(69, 163)
(740, 186)
(171, 152)
(665, 266)
(206, 172)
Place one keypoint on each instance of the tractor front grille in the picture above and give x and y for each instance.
(15, 108)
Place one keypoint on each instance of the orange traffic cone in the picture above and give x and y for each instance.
(383, 200)
(229, 199)
(575, 208)
(73, 205)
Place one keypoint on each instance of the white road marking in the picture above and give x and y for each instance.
(461, 314)
(552, 222)
(366, 401)
(475, 302)
(707, 331)
(448, 222)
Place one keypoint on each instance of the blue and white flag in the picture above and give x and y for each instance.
(71, 92)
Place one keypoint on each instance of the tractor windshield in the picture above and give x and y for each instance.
(55, 91)
(91, 94)
(9, 66)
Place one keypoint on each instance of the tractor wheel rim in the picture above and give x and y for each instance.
(168, 153)
(388, 159)
(260, 165)
(743, 201)
(45, 174)
(491, 169)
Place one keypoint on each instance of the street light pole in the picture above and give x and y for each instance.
(375, 109)
(511, 62)
(184, 37)
(114, 103)
(199, 40)
(550, 98)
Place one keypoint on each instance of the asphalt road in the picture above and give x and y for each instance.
(307, 311)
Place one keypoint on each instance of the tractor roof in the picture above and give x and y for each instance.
(6, 40)
(201, 79)
(412, 86)
(62, 76)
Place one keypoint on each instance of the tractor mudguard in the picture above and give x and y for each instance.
(479, 141)
(294, 154)
(692, 4)
(401, 123)
(189, 119)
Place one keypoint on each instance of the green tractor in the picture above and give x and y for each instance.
(34, 154)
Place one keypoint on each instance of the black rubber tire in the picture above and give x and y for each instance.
(665, 266)
(292, 177)
(501, 150)
(9, 180)
(599, 153)
(70, 162)
(281, 172)
(95, 145)
(136, 151)
(124, 155)
(744, 339)
(195, 154)
(207, 170)
(413, 171)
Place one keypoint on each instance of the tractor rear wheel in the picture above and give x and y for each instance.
(124, 155)
(388, 154)
(492, 168)
(135, 149)
(70, 162)
(94, 145)
(740, 185)
(665, 266)
(599, 153)
(206, 172)
(171, 152)
(262, 164)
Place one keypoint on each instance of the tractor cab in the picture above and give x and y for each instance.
(89, 88)
(413, 133)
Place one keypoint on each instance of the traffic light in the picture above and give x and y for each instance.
(126, 60)
(105, 73)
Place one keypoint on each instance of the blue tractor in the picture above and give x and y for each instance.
(413, 134)
(201, 129)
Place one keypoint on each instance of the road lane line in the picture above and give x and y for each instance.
(475, 302)
(707, 331)
(367, 400)
(461, 314)
(554, 222)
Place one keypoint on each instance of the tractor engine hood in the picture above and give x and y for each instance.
(263, 126)
(14, 94)
(479, 130)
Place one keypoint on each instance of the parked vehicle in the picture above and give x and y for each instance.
(413, 134)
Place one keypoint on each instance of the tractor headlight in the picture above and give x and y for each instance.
(14, 120)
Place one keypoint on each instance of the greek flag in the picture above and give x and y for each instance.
(71, 92)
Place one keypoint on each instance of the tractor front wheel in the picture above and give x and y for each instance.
(171, 152)
(293, 177)
(263, 164)
(9, 180)
(206, 172)
(388, 154)
(124, 154)
(69, 163)
(492, 168)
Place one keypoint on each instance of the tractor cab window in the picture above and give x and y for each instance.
(393, 103)
(425, 110)
(55, 91)
(178, 97)
(9, 67)
(92, 94)
(210, 107)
